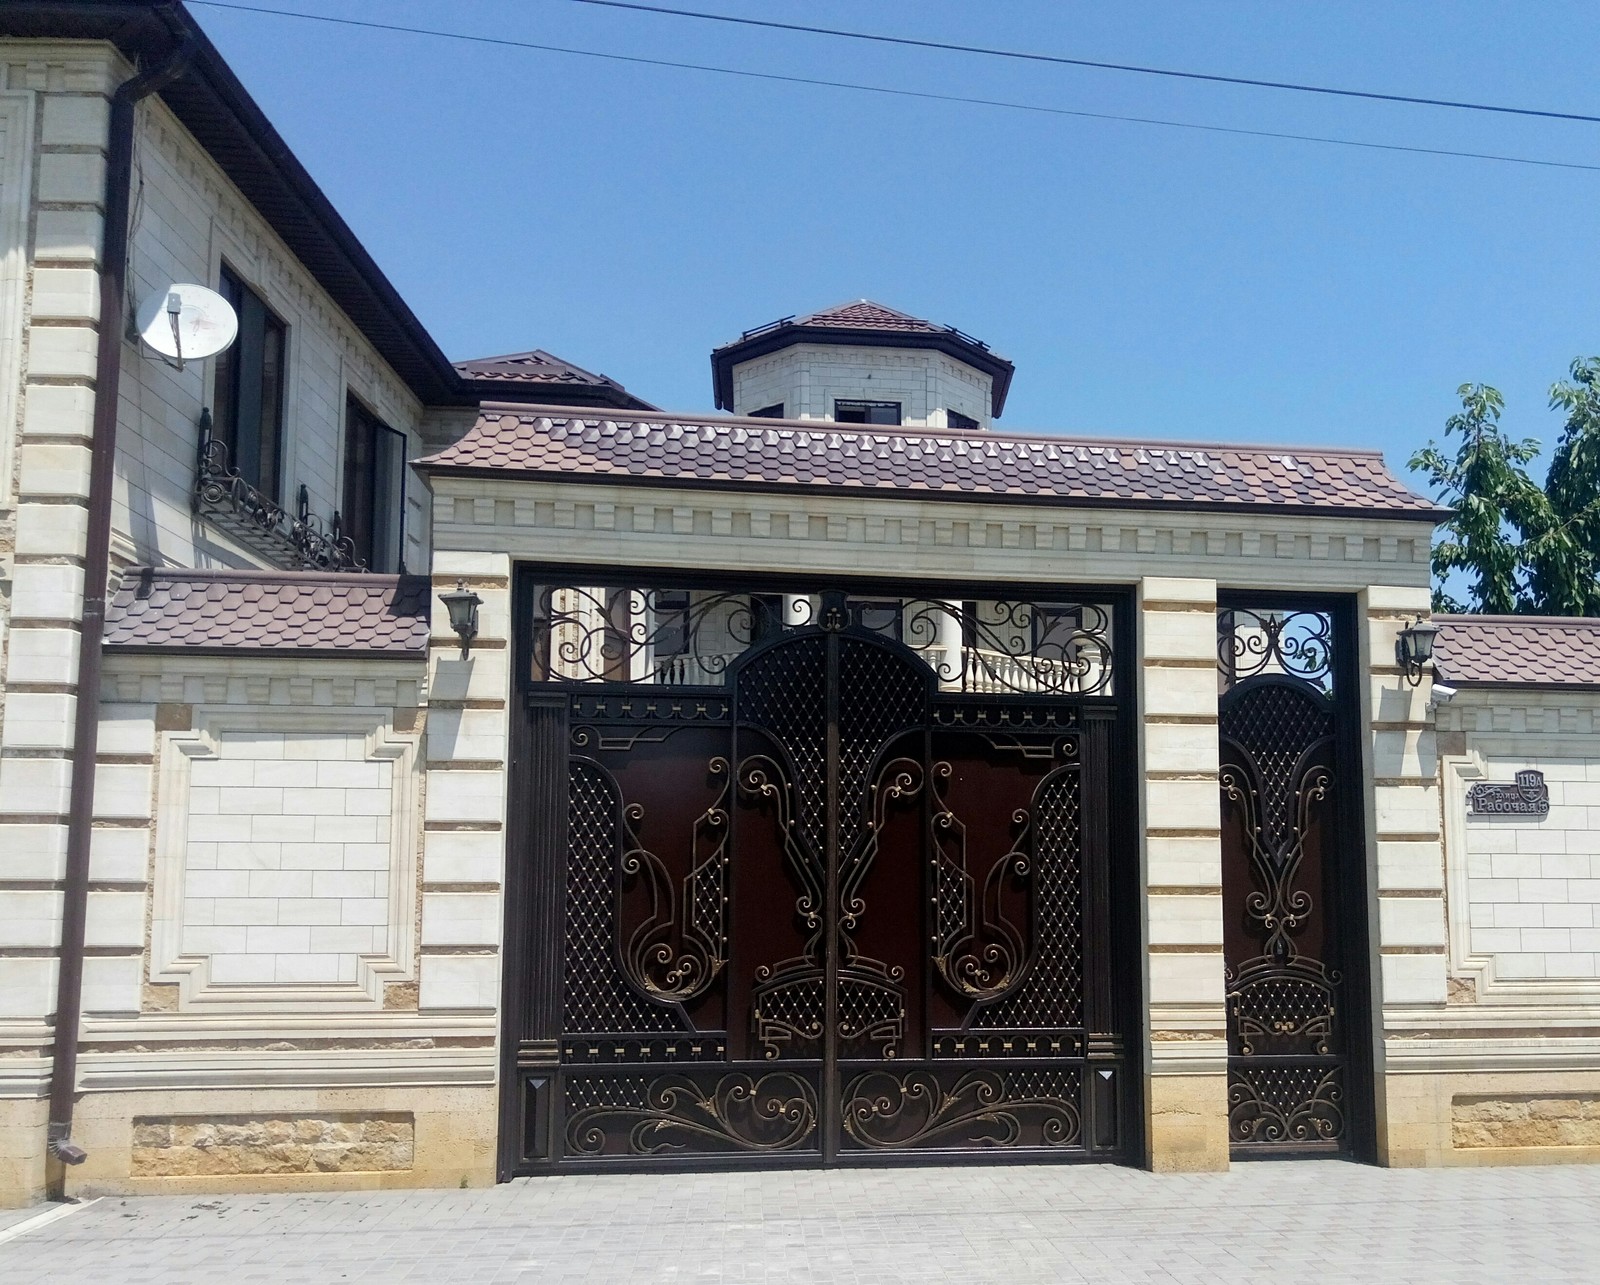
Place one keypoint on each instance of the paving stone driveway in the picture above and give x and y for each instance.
(1266, 1222)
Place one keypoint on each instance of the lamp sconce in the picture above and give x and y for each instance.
(463, 604)
(1413, 650)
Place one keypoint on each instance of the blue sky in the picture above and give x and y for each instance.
(1147, 282)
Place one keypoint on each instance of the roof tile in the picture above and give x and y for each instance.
(1518, 651)
(263, 611)
(556, 443)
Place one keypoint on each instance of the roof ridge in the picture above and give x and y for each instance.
(1472, 618)
(264, 575)
(535, 410)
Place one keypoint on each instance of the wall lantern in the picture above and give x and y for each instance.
(463, 604)
(1414, 648)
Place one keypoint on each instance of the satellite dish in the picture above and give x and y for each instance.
(187, 322)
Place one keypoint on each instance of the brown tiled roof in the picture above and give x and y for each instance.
(861, 323)
(867, 315)
(813, 455)
(305, 612)
(1518, 651)
(556, 380)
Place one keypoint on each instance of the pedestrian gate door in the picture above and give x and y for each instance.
(836, 880)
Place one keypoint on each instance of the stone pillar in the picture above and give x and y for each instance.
(1403, 835)
(52, 145)
(1187, 1053)
(464, 842)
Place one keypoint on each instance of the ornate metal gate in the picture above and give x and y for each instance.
(837, 880)
(1297, 1071)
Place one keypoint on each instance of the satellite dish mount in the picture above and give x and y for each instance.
(185, 322)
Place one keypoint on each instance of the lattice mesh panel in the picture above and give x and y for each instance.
(785, 691)
(1274, 725)
(1051, 995)
(596, 996)
(880, 695)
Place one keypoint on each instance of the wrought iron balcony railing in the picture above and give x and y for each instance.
(240, 510)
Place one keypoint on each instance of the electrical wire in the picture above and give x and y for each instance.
(928, 95)
(1026, 56)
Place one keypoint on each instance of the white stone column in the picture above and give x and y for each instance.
(1187, 1055)
(1408, 935)
(51, 279)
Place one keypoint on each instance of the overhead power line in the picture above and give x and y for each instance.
(857, 87)
(1028, 56)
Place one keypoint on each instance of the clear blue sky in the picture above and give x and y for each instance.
(1146, 281)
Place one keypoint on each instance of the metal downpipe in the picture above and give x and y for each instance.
(96, 571)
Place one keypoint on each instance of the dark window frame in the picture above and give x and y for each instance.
(962, 423)
(373, 513)
(249, 387)
(775, 411)
(846, 408)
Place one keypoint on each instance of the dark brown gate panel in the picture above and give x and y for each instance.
(837, 878)
(1291, 879)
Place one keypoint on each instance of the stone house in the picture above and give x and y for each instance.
(416, 773)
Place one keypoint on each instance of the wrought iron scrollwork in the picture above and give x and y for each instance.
(977, 950)
(644, 1116)
(1286, 1104)
(1037, 648)
(1296, 643)
(235, 505)
(681, 946)
(886, 1110)
(1285, 1070)
(661, 636)
(788, 1001)
(691, 637)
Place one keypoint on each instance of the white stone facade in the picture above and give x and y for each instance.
(807, 379)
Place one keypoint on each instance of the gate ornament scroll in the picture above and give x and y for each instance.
(694, 917)
(976, 949)
(773, 1112)
(1035, 648)
(1286, 1105)
(788, 1001)
(1297, 643)
(884, 1110)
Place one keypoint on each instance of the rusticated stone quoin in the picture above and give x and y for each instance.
(189, 1146)
(1525, 1121)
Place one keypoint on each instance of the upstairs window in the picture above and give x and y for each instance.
(248, 414)
(962, 423)
(775, 411)
(866, 412)
(374, 488)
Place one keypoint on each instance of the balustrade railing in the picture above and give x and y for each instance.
(235, 506)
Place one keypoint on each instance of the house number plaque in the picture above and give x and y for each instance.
(1528, 795)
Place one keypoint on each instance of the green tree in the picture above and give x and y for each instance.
(1495, 503)
(1563, 557)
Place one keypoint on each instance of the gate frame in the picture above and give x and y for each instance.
(534, 873)
(1356, 879)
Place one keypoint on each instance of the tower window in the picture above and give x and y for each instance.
(955, 419)
(775, 411)
(866, 412)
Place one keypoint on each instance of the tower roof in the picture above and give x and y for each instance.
(865, 324)
(537, 375)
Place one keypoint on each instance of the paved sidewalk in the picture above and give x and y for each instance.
(1267, 1222)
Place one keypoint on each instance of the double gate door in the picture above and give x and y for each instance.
(833, 909)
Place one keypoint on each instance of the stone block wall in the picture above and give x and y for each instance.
(809, 378)
(191, 221)
(1187, 1106)
(1502, 1068)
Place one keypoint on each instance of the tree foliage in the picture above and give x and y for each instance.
(1524, 548)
